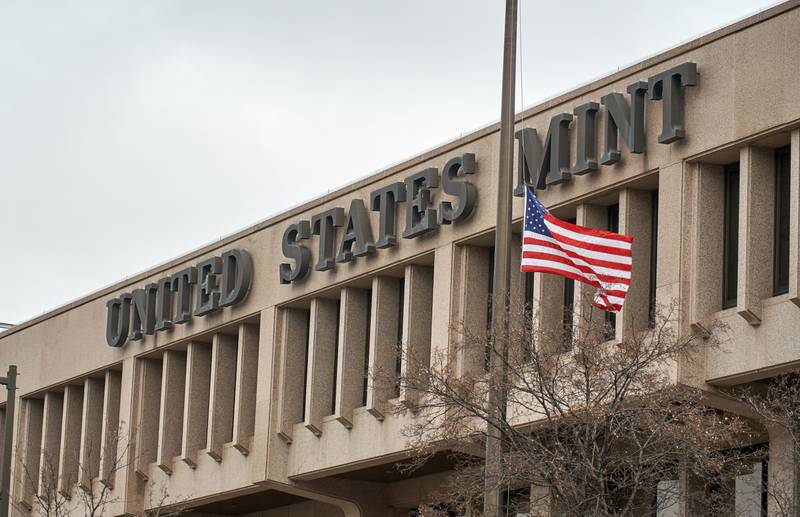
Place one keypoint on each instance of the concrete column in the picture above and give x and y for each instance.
(30, 460)
(51, 442)
(416, 324)
(127, 483)
(265, 442)
(320, 379)
(383, 342)
(148, 414)
(244, 416)
(353, 342)
(292, 335)
(69, 462)
(588, 318)
(223, 388)
(676, 202)
(756, 230)
(636, 218)
(540, 501)
(472, 295)
(110, 458)
(173, 392)
(794, 219)
(548, 311)
(195, 404)
(783, 474)
(707, 226)
(91, 431)
(446, 283)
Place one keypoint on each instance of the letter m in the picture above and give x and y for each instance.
(542, 165)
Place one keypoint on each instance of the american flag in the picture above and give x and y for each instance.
(597, 257)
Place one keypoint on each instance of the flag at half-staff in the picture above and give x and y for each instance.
(596, 257)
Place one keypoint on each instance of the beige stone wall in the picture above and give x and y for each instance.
(218, 404)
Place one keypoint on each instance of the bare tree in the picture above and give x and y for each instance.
(95, 498)
(47, 501)
(591, 426)
(777, 404)
(93, 493)
(162, 504)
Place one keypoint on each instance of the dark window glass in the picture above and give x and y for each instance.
(398, 361)
(569, 301)
(305, 368)
(516, 502)
(528, 314)
(781, 245)
(336, 358)
(489, 308)
(528, 292)
(651, 313)
(366, 348)
(730, 255)
(613, 226)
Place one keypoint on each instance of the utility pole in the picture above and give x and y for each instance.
(493, 495)
(10, 382)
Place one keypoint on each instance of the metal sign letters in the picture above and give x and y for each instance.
(219, 282)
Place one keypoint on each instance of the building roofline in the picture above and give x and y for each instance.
(558, 99)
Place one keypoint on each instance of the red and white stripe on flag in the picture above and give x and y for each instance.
(596, 257)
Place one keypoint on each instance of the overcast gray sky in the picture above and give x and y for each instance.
(120, 121)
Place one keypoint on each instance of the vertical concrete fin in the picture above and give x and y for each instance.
(320, 379)
(32, 425)
(474, 272)
(91, 431)
(794, 219)
(707, 225)
(173, 388)
(384, 323)
(246, 385)
(109, 441)
(587, 317)
(756, 206)
(148, 415)
(51, 443)
(196, 398)
(416, 324)
(223, 387)
(68, 463)
(635, 218)
(445, 285)
(293, 336)
(351, 352)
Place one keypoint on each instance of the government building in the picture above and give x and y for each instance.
(234, 380)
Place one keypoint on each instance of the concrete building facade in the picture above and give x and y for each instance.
(236, 380)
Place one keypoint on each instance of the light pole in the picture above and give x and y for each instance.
(10, 382)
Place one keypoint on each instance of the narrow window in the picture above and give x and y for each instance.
(305, 368)
(730, 256)
(489, 310)
(336, 357)
(651, 310)
(398, 364)
(613, 226)
(569, 302)
(528, 313)
(366, 348)
(780, 284)
(528, 292)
